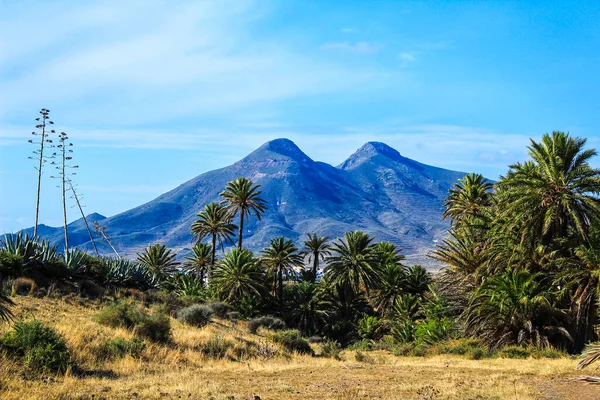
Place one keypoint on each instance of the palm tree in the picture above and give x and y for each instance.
(216, 222)
(199, 260)
(556, 193)
(238, 275)
(468, 198)
(159, 261)
(353, 264)
(417, 280)
(243, 197)
(317, 250)
(281, 256)
(390, 288)
(579, 278)
(306, 308)
(388, 254)
(516, 307)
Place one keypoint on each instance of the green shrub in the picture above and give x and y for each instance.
(122, 314)
(477, 353)
(370, 327)
(272, 323)
(549, 353)
(119, 348)
(39, 346)
(216, 347)
(156, 328)
(363, 345)
(331, 349)
(219, 309)
(433, 330)
(459, 347)
(10, 263)
(197, 315)
(514, 352)
(292, 340)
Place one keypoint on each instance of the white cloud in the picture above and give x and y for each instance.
(126, 62)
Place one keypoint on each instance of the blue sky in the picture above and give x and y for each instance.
(153, 93)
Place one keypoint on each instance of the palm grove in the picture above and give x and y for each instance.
(521, 265)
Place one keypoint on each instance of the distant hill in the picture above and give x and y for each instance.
(376, 190)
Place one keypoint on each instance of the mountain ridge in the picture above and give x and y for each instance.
(375, 189)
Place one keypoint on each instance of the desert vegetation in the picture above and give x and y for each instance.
(520, 281)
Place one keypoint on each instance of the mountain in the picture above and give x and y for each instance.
(376, 190)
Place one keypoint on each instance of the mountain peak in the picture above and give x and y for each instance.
(374, 148)
(370, 150)
(284, 147)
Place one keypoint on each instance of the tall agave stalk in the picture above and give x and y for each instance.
(63, 175)
(87, 226)
(44, 143)
(101, 230)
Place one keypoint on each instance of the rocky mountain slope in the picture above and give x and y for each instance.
(376, 190)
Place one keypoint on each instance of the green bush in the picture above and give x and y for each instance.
(331, 349)
(220, 309)
(292, 340)
(272, 323)
(122, 314)
(459, 347)
(10, 263)
(514, 352)
(156, 328)
(39, 346)
(216, 347)
(549, 353)
(370, 327)
(363, 345)
(433, 330)
(119, 348)
(197, 315)
(477, 353)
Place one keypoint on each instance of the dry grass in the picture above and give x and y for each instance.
(182, 370)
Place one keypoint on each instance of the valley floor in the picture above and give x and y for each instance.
(181, 371)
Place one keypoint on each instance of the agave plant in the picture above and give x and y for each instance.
(121, 272)
(21, 245)
(75, 260)
(188, 286)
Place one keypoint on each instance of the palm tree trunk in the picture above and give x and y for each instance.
(241, 229)
(213, 250)
(315, 266)
(280, 287)
(586, 311)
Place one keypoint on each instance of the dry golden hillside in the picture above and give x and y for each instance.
(252, 367)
